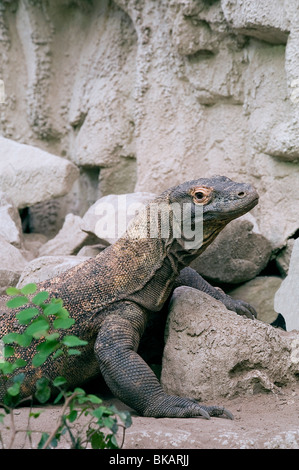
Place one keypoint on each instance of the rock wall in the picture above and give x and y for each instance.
(145, 94)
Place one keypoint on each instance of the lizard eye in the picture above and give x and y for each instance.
(201, 195)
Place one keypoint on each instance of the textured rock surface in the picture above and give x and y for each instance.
(286, 299)
(47, 267)
(10, 221)
(29, 175)
(211, 352)
(259, 292)
(238, 254)
(12, 263)
(147, 94)
(110, 216)
(284, 256)
(69, 239)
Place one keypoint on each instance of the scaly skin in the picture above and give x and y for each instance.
(112, 295)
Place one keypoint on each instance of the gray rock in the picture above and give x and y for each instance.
(91, 250)
(259, 292)
(30, 175)
(69, 239)
(33, 243)
(260, 20)
(47, 267)
(109, 217)
(238, 254)
(286, 299)
(284, 256)
(10, 221)
(12, 263)
(211, 352)
(283, 142)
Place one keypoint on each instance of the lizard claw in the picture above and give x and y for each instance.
(240, 307)
(205, 414)
(218, 411)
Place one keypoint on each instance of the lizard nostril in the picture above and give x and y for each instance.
(241, 194)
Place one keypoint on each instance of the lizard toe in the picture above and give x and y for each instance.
(218, 411)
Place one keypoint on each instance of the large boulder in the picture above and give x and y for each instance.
(12, 263)
(286, 299)
(10, 221)
(69, 239)
(211, 352)
(47, 267)
(259, 292)
(30, 175)
(284, 256)
(238, 254)
(108, 218)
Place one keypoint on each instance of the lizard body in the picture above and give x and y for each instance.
(112, 296)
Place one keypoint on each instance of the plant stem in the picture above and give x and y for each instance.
(60, 420)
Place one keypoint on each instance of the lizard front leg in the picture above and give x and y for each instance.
(190, 277)
(130, 378)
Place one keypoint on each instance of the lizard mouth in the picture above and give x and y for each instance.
(240, 209)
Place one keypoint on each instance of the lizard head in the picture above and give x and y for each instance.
(213, 203)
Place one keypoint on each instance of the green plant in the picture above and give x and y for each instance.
(44, 323)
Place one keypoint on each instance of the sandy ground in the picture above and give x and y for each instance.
(262, 421)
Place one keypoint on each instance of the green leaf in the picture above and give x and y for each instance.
(25, 316)
(100, 412)
(10, 338)
(29, 289)
(43, 391)
(8, 351)
(94, 399)
(20, 363)
(43, 439)
(72, 416)
(40, 298)
(17, 302)
(38, 327)
(52, 309)
(59, 397)
(19, 377)
(97, 440)
(63, 323)
(52, 336)
(39, 358)
(63, 313)
(59, 381)
(14, 390)
(21, 339)
(126, 418)
(58, 353)
(35, 415)
(47, 347)
(74, 352)
(111, 442)
(13, 291)
(6, 368)
(72, 340)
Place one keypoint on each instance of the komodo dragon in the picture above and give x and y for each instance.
(111, 297)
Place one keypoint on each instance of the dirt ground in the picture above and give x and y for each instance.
(262, 421)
